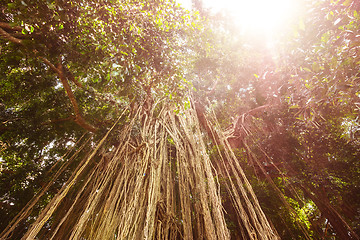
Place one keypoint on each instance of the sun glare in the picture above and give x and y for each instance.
(269, 16)
(261, 17)
(257, 15)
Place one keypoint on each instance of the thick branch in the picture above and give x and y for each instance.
(59, 70)
(52, 66)
(8, 37)
(68, 89)
(78, 117)
(7, 26)
(55, 69)
(73, 79)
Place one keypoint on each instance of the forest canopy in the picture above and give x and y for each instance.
(144, 120)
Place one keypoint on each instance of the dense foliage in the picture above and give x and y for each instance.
(69, 68)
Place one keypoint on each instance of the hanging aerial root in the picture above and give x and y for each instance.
(244, 200)
(50, 208)
(26, 211)
(158, 183)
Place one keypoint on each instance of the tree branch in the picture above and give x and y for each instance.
(7, 26)
(52, 66)
(73, 79)
(78, 117)
(59, 70)
(9, 37)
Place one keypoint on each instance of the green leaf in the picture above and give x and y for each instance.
(306, 69)
(325, 37)
(138, 68)
(51, 6)
(187, 105)
(294, 106)
(330, 16)
(300, 117)
(11, 5)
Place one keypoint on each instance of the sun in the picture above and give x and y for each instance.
(267, 17)
(262, 15)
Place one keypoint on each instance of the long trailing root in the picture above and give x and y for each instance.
(244, 200)
(159, 183)
(25, 212)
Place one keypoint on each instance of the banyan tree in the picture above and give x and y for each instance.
(142, 120)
